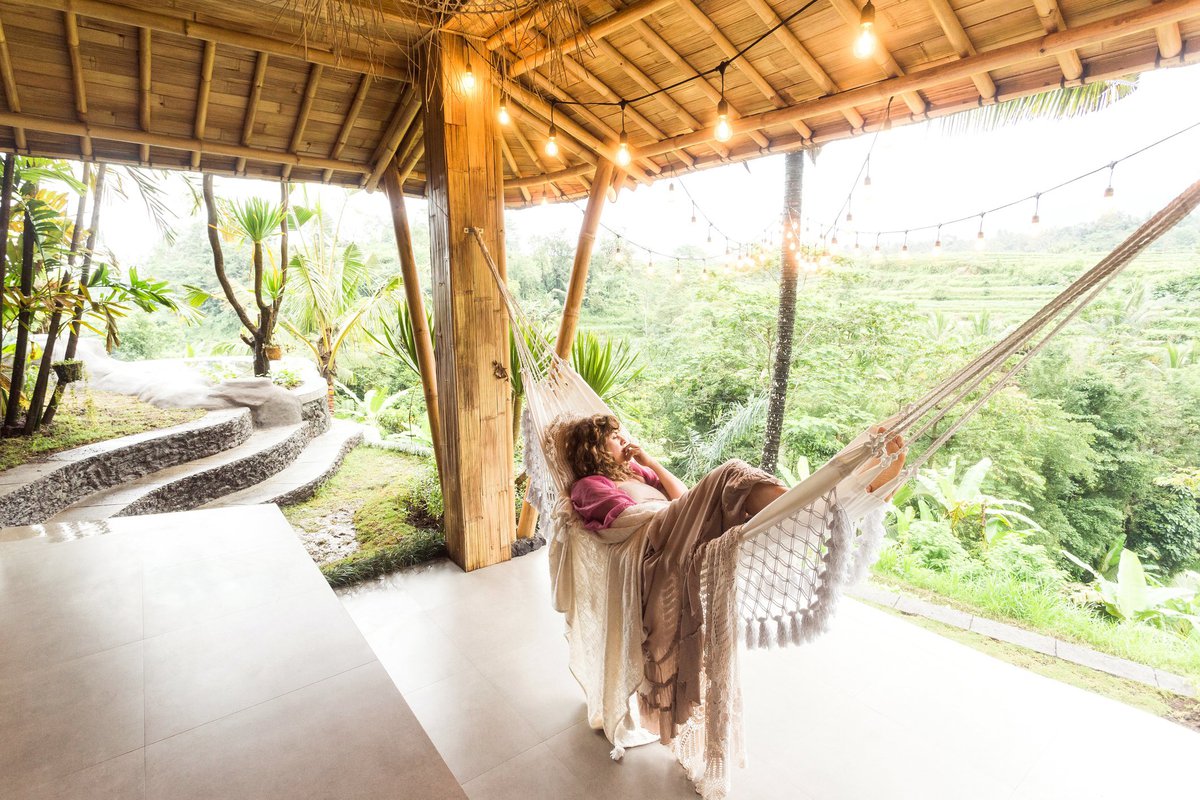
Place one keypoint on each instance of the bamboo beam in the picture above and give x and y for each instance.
(360, 96)
(256, 90)
(561, 175)
(412, 137)
(1114, 27)
(513, 168)
(403, 115)
(943, 12)
(11, 95)
(852, 14)
(574, 300)
(743, 64)
(534, 154)
(511, 29)
(648, 84)
(799, 52)
(306, 104)
(308, 50)
(114, 134)
(1053, 21)
(79, 88)
(664, 49)
(145, 62)
(1170, 40)
(597, 30)
(203, 91)
(410, 161)
(394, 189)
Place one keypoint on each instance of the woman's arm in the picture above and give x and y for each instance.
(672, 486)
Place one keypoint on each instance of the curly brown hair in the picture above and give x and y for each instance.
(586, 451)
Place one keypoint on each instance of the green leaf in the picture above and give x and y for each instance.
(1132, 595)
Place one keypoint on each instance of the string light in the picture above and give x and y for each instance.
(502, 114)
(876, 254)
(618, 254)
(693, 213)
(623, 156)
(650, 265)
(979, 237)
(857, 249)
(1035, 222)
(864, 45)
(468, 79)
(904, 254)
(552, 138)
(833, 243)
(937, 243)
(723, 132)
(710, 233)
(1108, 192)
(678, 272)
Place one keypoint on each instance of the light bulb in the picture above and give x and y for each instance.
(1035, 224)
(1109, 194)
(980, 240)
(552, 141)
(543, 201)
(468, 79)
(502, 114)
(704, 274)
(937, 248)
(650, 267)
(833, 244)
(623, 156)
(904, 254)
(678, 275)
(723, 131)
(864, 45)
(876, 254)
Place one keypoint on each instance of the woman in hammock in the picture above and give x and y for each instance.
(612, 474)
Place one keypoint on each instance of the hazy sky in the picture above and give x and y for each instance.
(920, 177)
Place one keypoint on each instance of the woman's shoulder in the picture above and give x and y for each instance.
(592, 483)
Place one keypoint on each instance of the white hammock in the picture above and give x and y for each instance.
(778, 577)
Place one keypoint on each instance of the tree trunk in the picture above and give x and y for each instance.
(89, 250)
(793, 187)
(255, 338)
(24, 321)
(10, 170)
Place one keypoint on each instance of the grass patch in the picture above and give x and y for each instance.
(1183, 710)
(1043, 610)
(385, 506)
(87, 416)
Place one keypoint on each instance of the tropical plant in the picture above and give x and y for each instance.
(1176, 355)
(256, 221)
(1132, 597)
(371, 405)
(608, 365)
(738, 422)
(1057, 104)
(962, 502)
(335, 299)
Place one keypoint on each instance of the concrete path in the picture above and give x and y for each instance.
(879, 708)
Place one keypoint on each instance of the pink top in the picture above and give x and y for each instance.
(599, 500)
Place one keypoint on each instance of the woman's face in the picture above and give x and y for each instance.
(616, 446)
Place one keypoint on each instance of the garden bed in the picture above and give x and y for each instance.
(381, 511)
(87, 416)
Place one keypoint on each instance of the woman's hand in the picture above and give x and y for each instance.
(634, 452)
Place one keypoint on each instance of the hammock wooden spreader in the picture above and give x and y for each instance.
(776, 580)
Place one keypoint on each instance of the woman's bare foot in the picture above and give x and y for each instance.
(762, 496)
(893, 445)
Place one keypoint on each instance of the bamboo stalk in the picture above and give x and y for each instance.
(416, 309)
(597, 30)
(145, 62)
(77, 85)
(1170, 40)
(188, 27)
(1053, 21)
(11, 95)
(852, 14)
(512, 166)
(306, 104)
(128, 136)
(405, 112)
(202, 94)
(952, 26)
(256, 90)
(360, 96)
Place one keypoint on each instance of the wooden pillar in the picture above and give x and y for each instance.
(465, 189)
(416, 308)
(575, 289)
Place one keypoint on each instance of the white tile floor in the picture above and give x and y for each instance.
(879, 708)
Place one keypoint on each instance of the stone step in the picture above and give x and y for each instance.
(319, 460)
(32, 493)
(179, 488)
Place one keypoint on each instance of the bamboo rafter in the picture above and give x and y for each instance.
(360, 97)
(79, 88)
(1053, 21)
(852, 14)
(11, 95)
(306, 104)
(145, 64)
(952, 26)
(202, 94)
(256, 90)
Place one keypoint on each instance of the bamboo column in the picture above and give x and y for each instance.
(416, 310)
(466, 190)
(575, 290)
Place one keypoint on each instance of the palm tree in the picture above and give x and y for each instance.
(334, 299)
(793, 189)
(1057, 104)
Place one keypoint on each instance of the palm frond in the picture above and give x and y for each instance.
(1063, 103)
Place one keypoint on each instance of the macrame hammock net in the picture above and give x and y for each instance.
(775, 580)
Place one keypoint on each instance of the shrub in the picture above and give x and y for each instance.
(1165, 527)
(934, 546)
(1023, 561)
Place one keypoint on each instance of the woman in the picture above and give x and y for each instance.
(613, 474)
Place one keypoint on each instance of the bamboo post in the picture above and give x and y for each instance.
(10, 167)
(575, 289)
(416, 309)
(466, 191)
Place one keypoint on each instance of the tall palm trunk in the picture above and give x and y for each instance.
(10, 171)
(89, 249)
(24, 320)
(793, 187)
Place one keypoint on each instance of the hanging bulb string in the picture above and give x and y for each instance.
(1034, 197)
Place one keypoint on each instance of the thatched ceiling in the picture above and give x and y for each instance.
(274, 89)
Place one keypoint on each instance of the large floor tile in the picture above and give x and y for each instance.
(535, 774)
(197, 674)
(192, 592)
(416, 653)
(647, 771)
(350, 736)
(486, 628)
(536, 680)
(70, 716)
(68, 622)
(164, 540)
(120, 778)
(29, 572)
(471, 724)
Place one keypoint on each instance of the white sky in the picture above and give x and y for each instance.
(919, 176)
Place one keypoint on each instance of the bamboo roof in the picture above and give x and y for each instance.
(270, 89)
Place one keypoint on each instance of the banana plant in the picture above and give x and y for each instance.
(1131, 597)
(371, 405)
(962, 502)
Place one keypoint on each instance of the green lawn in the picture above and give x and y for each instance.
(87, 416)
(387, 501)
